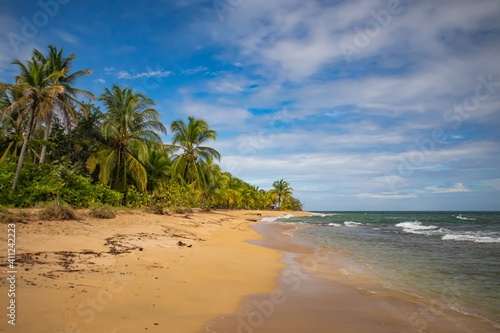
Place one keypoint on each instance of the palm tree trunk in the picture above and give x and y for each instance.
(24, 148)
(125, 185)
(48, 128)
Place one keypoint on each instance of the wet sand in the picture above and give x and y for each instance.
(316, 293)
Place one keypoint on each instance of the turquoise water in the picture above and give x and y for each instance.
(452, 257)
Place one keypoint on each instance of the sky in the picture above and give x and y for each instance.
(359, 104)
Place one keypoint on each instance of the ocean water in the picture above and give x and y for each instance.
(450, 258)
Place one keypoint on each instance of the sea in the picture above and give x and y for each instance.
(450, 258)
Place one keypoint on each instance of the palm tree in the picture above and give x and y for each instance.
(11, 125)
(193, 157)
(282, 190)
(35, 94)
(66, 101)
(130, 127)
(159, 169)
(214, 181)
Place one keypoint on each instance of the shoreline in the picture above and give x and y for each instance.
(136, 272)
(218, 271)
(315, 292)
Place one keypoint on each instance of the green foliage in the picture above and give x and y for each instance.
(180, 195)
(194, 157)
(42, 118)
(42, 183)
(57, 210)
(282, 191)
(173, 195)
(102, 212)
(129, 128)
(292, 204)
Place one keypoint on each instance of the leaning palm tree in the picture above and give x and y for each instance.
(282, 191)
(66, 101)
(130, 127)
(193, 156)
(35, 94)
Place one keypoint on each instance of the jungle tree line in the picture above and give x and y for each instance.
(54, 146)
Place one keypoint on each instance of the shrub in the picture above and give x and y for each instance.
(42, 183)
(57, 210)
(7, 216)
(155, 209)
(102, 212)
(182, 210)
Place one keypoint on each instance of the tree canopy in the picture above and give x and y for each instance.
(55, 146)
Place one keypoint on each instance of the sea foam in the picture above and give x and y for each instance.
(471, 238)
(465, 218)
(418, 228)
(275, 218)
(352, 224)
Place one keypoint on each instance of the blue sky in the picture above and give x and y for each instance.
(360, 104)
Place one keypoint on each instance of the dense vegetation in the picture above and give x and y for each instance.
(53, 146)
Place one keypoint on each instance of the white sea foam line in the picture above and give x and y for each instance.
(471, 238)
(269, 219)
(335, 224)
(275, 218)
(352, 223)
(324, 215)
(416, 226)
(461, 217)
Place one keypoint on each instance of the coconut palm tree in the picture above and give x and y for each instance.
(282, 191)
(159, 169)
(11, 125)
(35, 94)
(130, 127)
(66, 101)
(193, 156)
(214, 181)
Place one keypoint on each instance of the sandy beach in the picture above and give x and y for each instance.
(137, 272)
(197, 272)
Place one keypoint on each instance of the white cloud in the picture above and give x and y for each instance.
(352, 126)
(99, 81)
(218, 116)
(66, 36)
(385, 196)
(457, 188)
(197, 69)
(150, 73)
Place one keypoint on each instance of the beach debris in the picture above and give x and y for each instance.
(117, 245)
(181, 243)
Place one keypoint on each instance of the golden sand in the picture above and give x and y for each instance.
(137, 272)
